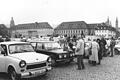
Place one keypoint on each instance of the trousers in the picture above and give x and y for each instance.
(80, 62)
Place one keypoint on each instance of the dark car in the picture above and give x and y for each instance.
(54, 50)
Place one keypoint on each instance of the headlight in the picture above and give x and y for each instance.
(60, 56)
(65, 55)
(22, 63)
(49, 59)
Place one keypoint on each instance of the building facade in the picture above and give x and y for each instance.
(103, 30)
(72, 29)
(80, 27)
(31, 29)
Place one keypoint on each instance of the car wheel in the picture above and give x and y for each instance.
(13, 75)
(116, 52)
(53, 62)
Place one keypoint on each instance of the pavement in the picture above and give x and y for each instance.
(108, 70)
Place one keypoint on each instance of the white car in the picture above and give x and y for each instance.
(19, 60)
(117, 48)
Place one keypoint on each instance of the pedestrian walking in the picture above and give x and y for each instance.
(79, 53)
(112, 45)
(93, 59)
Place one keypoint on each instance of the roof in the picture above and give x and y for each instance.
(43, 41)
(36, 25)
(72, 25)
(12, 42)
(101, 26)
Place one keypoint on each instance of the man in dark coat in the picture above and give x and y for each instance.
(100, 51)
(103, 49)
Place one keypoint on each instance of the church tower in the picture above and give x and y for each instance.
(108, 22)
(12, 23)
(116, 23)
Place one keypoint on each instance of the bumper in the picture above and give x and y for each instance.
(35, 73)
(64, 59)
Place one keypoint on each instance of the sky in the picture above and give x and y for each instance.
(57, 11)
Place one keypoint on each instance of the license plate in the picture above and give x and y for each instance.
(40, 71)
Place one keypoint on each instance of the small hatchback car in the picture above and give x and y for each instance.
(19, 60)
(117, 49)
(54, 50)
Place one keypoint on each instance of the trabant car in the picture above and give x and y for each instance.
(54, 50)
(19, 60)
(117, 48)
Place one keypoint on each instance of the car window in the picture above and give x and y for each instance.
(33, 44)
(20, 48)
(40, 46)
(52, 45)
(4, 47)
(1, 49)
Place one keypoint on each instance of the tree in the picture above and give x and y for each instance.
(4, 31)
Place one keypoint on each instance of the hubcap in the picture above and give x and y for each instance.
(13, 75)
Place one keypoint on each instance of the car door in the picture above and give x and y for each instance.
(2, 60)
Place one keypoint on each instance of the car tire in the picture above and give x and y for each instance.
(53, 62)
(116, 52)
(13, 75)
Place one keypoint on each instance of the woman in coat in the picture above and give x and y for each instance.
(94, 56)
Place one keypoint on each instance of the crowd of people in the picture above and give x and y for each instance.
(96, 49)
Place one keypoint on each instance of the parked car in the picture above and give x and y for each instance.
(19, 60)
(54, 50)
(117, 48)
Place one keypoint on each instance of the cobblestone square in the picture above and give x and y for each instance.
(108, 70)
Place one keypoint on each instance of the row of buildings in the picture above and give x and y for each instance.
(74, 28)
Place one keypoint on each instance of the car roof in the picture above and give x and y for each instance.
(12, 42)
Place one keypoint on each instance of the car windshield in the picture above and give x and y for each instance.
(20, 48)
(48, 46)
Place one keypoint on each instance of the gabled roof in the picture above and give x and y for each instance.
(101, 26)
(36, 25)
(72, 25)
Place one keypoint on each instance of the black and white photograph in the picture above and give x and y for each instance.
(59, 40)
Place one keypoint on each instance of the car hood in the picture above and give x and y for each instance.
(58, 51)
(30, 57)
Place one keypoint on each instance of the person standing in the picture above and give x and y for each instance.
(79, 53)
(99, 52)
(112, 45)
(94, 56)
(108, 46)
(103, 49)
